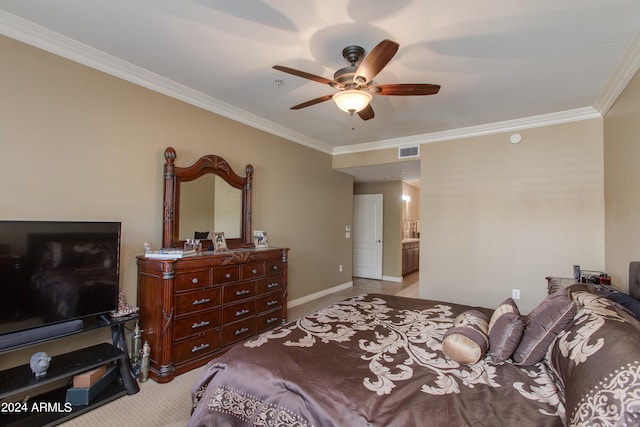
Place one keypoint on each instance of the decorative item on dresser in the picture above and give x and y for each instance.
(194, 308)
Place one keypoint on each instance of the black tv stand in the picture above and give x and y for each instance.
(49, 409)
(29, 337)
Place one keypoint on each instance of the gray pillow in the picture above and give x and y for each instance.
(467, 341)
(505, 331)
(555, 284)
(542, 326)
(631, 304)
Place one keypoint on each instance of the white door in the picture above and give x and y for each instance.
(367, 236)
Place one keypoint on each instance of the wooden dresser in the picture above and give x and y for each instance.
(193, 308)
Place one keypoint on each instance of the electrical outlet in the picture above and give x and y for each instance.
(515, 293)
(340, 268)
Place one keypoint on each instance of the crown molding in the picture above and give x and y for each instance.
(620, 76)
(567, 116)
(58, 44)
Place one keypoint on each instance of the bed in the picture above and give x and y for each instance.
(380, 360)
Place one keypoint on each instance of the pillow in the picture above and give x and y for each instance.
(542, 326)
(467, 341)
(505, 331)
(631, 304)
(555, 284)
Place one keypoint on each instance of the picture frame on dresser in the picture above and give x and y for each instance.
(260, 239)
(219, 242)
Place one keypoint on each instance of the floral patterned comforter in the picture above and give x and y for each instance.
(372, 360)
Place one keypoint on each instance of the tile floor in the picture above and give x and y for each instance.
(407, 288)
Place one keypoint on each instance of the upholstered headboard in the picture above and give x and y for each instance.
(634, 279)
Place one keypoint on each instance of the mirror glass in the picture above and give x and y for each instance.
(208, 203)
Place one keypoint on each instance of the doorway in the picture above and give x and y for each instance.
(367, 235)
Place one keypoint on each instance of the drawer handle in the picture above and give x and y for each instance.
(254, 271)
(241, 331)
(241, 312)
(200, 324)
(271, 320)
(275, 267)
(195, 280)
(228, 275)
(201, 301)
(198, 348)
(272, 285)
(242, 292)
(274, 302)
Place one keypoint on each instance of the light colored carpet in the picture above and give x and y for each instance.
(166, 405)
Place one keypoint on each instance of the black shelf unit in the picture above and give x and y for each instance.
(48, 408)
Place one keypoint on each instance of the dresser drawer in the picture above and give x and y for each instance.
(252, 271)
(226, 274)
(239, 311)
(192, 280)
(197, 301)
(238, 331)
(269, 302)
(196, 324)
(269, 284)
(274, 266)
(268, 320)
(238, 292)
(196, 347)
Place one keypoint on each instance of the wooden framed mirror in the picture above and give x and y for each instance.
(207, 196)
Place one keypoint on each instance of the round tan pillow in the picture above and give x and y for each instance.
(467, 341)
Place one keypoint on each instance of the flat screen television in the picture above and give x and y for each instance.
(54, 272)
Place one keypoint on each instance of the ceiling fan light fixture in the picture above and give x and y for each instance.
(352, 100)
(355, 82)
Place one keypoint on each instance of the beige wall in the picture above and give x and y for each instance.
(391, 224)
(78, 144)
(497, 216)
(622, 183)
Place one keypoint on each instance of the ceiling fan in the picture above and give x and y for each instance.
(355, 83)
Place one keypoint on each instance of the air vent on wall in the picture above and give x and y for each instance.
(408, 152)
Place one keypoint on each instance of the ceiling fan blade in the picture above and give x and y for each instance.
(375, 61)
(366, 113)
(306, 75)
(407, 89)
(312, 102)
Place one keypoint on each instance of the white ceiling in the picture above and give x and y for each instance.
(502, 65)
